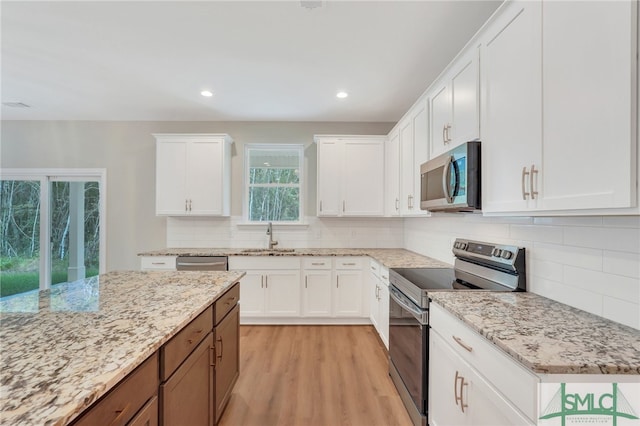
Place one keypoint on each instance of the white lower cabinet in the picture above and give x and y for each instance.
(316, 294)
(379, 300)
(460, 396)
(473, 383)
(158, 263)
(271, 286)
(349, 291)
(308, 290)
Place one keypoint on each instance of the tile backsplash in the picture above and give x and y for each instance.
(591, 263)
(315, 233)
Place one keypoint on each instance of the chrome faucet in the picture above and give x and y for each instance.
(270, 234)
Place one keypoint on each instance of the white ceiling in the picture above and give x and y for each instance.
(264, 60)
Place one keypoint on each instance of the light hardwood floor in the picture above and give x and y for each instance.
(313, 376)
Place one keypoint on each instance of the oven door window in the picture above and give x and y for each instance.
(407, 349)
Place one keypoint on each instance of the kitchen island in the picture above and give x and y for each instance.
(63, 349)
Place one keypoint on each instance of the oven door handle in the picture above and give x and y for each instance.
(395, 295)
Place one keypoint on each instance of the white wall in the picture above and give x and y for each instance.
(591, 263)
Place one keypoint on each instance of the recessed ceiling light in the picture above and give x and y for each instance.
(342, 95)
(206, 93)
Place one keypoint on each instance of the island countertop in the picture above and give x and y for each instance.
(62, 349)
(546, 336)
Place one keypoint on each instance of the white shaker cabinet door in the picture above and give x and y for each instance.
(363, 178)
(511, 113)
(589, 57)
(329, 177)
(464, 99)
(252, 294)
(348, 294)
(171, 178)
(205, 178)
(317, 293)
(440, 119)
(283, 293)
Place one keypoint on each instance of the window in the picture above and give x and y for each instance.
(274, 179)
(51, 227)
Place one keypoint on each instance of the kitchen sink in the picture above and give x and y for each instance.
(266, 250)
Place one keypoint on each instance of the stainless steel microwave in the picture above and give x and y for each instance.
(451, 181)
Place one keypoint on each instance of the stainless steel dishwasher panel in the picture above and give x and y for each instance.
(201, 263)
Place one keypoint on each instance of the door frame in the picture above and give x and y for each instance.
(45, 177)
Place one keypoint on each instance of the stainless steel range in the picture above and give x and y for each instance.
(478, 266)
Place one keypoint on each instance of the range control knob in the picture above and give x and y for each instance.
(456, 245)
(463, 246)
(496, 252)
(506, 254)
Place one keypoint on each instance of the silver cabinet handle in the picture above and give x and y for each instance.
(337, 280)
(190, 204)
(186, 205)
(306, 281)
(385, 278)
(261, 281)
(532, 180)
(266, 281)
(459, 398)
(525, 194)
(448, 135)
(377, 292)
(410, 201)
(397, 204)
(158, 263)
(444, 134)
(320, 205)
(349, 264)
(343, 206)
(461, 343)
(317, 263)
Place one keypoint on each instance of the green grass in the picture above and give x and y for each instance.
(19, 282)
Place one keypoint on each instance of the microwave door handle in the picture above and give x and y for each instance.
(445, 179)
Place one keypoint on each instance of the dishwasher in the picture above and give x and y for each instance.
(201, 263)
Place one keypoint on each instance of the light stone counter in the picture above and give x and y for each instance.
(391, 258)
(547, 336)
(64, 348)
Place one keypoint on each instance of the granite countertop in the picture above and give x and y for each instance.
(62, 349)
(390, 258)
(546, 336)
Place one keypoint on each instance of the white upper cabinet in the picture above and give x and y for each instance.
(392, 173)
(558, 107)
(589, 85)
(511, 108)
(193, 174)
(454, 106)
(350, 175)
(413, 132)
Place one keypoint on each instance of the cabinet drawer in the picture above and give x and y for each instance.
(263, 262)
(384, 275)
(165, 263)
(374, 267)
(516, 383)
(313, 262)
(226, 303)
(348, 263)
(148, 416)
(122, 403)
(175, 351)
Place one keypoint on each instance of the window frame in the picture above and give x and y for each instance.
(300, 184)
(45, 177)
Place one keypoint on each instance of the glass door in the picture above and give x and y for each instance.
(19, 236)
(74, 230)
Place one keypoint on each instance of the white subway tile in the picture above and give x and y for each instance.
(611, 285)
(545, 269)
(621, 263)
(622, 311)
(575, 256)
(572, 296)
(618, 239)
(546, 234)
(569, 221)
(622, 221)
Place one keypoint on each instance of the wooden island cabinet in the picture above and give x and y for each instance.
(188, 381)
